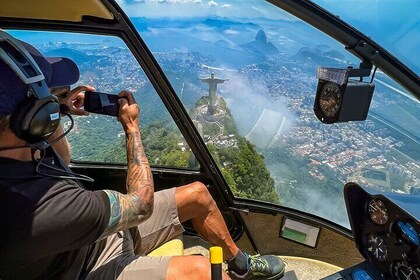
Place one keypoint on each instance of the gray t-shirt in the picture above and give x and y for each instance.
(47, 225)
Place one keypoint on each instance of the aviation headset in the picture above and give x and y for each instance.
(38, 116)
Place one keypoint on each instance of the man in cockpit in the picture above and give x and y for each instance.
(53, 228)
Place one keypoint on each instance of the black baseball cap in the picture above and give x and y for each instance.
(58, 72)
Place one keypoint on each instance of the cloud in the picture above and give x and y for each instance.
(231, 31)
(213, 3)
(226, 6)
(174, 1)
(244, 96)
(132, 1)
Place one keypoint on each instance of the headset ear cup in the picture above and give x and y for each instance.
(35, 120)
(45, 121)
(18, 117)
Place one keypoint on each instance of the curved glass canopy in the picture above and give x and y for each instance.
(245, 71)
(393, 24)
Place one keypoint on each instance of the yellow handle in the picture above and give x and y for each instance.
(216, 255)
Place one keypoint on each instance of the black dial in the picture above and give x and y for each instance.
(378, 212)
(404, 272)
(330, 99)
(376, 247)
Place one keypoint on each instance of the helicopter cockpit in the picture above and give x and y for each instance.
(275, 105)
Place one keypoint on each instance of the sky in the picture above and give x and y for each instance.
(395, 24)
(196, 8)
(390, 10)
(372, 10)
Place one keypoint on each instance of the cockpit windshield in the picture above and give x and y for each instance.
(245, 72)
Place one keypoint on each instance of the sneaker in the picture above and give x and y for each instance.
(261, 267)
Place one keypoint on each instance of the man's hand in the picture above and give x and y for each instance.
(128, 112)
(75, 100)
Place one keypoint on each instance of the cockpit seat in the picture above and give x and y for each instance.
(174, 247)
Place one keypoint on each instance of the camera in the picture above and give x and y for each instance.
(102, 103)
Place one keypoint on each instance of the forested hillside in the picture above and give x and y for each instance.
(243, 168)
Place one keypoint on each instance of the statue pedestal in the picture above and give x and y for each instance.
(215, 117)
(211, 110)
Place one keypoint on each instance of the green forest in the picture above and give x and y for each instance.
(161, 146)
(243, 167)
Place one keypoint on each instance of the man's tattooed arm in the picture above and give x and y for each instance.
(128, 210)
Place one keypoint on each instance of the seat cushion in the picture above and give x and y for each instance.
(174, 247)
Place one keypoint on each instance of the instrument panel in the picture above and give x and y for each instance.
(386, 230)
(390, 240)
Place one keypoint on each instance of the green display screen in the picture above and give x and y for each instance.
(294, 235)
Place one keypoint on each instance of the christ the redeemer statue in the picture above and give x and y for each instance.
(212, 81)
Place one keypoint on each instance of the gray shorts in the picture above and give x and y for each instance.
(123, 255)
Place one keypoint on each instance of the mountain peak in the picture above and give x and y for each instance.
(261, 37)
(261, 46)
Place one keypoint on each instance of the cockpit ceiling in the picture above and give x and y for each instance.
(62, 10)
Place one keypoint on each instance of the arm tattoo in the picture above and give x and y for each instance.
(139, 173)
(134, 145)
(138, 149)
(128, 210)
